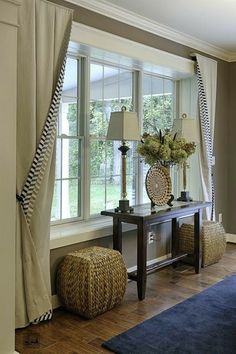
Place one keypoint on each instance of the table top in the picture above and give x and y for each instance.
(144, 211)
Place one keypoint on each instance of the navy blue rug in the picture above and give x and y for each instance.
(202, 324)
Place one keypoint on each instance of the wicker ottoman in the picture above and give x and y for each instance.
(91, 281)
(213, 241)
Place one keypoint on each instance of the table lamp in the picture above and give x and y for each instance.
(123, 126)
(187, 128)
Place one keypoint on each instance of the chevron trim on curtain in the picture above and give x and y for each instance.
(206, 130)
(32, 184)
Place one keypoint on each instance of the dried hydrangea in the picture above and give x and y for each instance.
(165, 149)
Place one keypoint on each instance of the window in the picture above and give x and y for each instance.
(88, 167)
(110, 89)
(67, 190)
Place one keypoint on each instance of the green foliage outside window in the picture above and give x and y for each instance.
(157, 113)
(102, 151)
(72, 119)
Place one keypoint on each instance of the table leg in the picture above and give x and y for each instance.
(141, 259)
(117, 234)
(197, 241)
(175, 241)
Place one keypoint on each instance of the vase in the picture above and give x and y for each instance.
(158, 185)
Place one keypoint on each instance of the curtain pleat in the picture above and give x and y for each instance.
(43, 40)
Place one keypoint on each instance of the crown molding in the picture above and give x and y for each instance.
(104, 8)
(232, 57)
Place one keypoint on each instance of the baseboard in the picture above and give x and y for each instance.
(56, 301)
(230, 238)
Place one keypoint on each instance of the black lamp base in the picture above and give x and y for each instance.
(185, 197)
(124, 207)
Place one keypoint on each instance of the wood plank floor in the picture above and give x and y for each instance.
(67, 333)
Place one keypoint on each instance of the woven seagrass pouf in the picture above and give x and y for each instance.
(92, 280)
(213, 241)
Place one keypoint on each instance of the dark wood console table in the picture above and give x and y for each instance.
(143, 217)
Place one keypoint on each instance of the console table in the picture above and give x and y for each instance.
(144, 217)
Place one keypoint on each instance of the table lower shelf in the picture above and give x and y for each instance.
(158, 265)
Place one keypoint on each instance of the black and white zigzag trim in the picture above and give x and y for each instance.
(45, 317)
(38, 167)
(32, 184)
(205, 124)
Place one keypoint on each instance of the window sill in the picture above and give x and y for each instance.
(82, 231)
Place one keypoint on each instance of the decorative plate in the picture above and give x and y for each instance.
(158, 185)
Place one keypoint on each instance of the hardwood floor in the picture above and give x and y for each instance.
(67, 333)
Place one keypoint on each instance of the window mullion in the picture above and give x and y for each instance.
(84, 126)
(138, 107)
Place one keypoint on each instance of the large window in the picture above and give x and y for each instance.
(88, 167)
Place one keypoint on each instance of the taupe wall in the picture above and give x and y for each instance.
(162, 233)
(221, 129)
(8, 84)
(231, 145)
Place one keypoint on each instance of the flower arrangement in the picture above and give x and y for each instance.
(165, 149)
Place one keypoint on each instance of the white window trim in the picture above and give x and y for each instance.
(82, 231)
(156, 60)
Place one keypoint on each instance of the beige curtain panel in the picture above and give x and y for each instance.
(43, 39)
(207, 82)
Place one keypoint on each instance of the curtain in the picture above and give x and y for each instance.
(42, 45)
(207, 81)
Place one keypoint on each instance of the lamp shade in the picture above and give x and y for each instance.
(123, 126)
(187, 128)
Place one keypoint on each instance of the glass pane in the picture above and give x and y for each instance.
(70, 80)
(113, 158)
(126, 85)
(127, 102)
(97, 195)
(56, 202)
(158, 103)
(68, 116)
(96, 82)
(97, 158)
(70, 158)
(113, 185)
(111, 83)
(145, 170)
(157, 86)
(168, 87)
(70, 198)
(131, 188)
(131, 158)
(58, 159)
(111, 89)
(99, 118)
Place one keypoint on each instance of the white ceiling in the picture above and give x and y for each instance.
(204, 23)
(212, 21)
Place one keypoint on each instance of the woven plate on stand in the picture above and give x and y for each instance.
(158, 185)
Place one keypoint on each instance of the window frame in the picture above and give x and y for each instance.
(83, 76)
